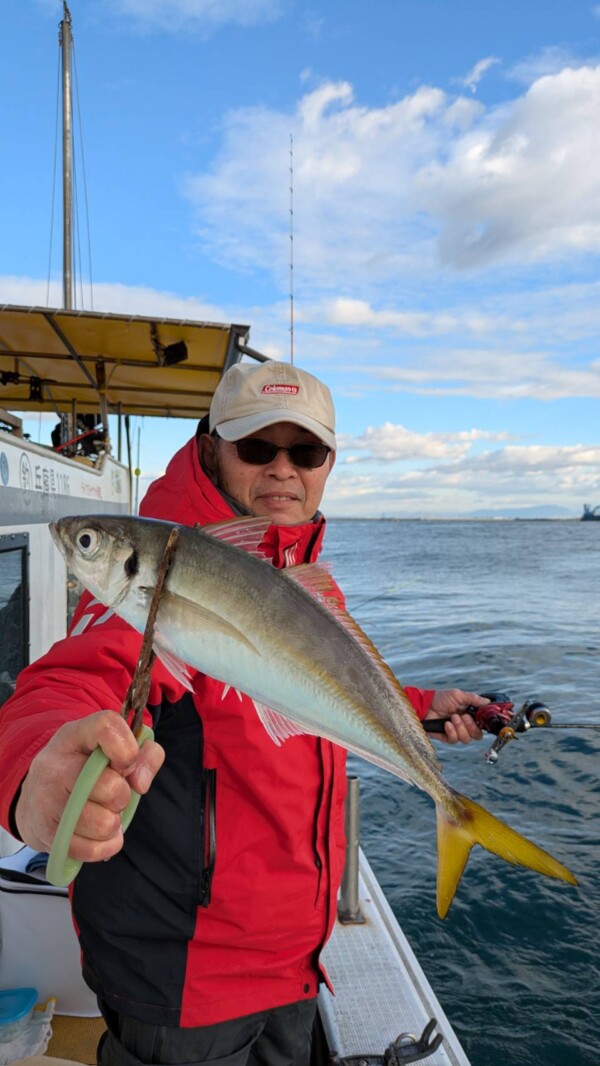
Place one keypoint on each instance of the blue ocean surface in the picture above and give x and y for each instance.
(511, 606)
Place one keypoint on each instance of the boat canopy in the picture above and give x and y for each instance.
(51, 360)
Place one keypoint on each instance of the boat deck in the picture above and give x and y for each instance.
(381, 990)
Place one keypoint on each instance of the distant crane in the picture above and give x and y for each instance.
(590, 514)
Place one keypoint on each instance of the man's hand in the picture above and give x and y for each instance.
(55, 769)
(452, 703)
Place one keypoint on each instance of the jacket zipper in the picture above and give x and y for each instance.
(210, 836)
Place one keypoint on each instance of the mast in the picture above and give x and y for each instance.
(291, 248)
(65, 41)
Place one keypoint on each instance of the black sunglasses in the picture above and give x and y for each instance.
(258, 452)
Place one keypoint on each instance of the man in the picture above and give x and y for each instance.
(202, 935)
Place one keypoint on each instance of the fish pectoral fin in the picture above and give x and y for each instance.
(176, 667)
(478, 826)
(277, 725)
(190, 615)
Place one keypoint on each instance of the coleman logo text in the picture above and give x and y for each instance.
(287, 390)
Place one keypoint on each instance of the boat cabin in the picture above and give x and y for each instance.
(90, 371)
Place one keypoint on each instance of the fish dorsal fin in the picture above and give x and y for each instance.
(246, 533)
(316, 579)
(318, 582)
(277, 725)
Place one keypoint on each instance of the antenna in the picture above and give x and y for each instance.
(66, 40)
(291, 249)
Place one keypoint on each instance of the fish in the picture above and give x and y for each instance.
(283, 638)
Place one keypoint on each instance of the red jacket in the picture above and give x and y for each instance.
(225, 890)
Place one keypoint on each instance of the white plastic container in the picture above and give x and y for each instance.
(38, 945)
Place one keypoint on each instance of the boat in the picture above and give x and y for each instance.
(590, 514)
(92, 371)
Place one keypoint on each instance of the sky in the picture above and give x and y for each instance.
(444, 157)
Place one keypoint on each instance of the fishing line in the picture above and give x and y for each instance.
(574, 725)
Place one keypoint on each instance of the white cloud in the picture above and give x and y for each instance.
(393, 443)
(387, 192)
(525, 184)
(472, 79)
(352, 184)
(435, 474)
(358, 313)
(487, 373)
(119, 299)
(548, 315)
(509, 478)
(550, 60)
(570, 463)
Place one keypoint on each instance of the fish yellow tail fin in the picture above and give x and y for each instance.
(478, 826)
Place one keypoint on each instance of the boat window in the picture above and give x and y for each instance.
(14, 621)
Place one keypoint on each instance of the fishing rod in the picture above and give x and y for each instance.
(500, 718)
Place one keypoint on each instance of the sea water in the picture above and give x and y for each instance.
(511, 606)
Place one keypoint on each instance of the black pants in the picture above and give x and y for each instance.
(278, 1037)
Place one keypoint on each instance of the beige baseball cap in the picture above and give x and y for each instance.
(250, 397)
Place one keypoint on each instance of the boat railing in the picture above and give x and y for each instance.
(349, 911)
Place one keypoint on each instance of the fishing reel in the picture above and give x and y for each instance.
(500, 718)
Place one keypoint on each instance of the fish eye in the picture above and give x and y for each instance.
(87, 541)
